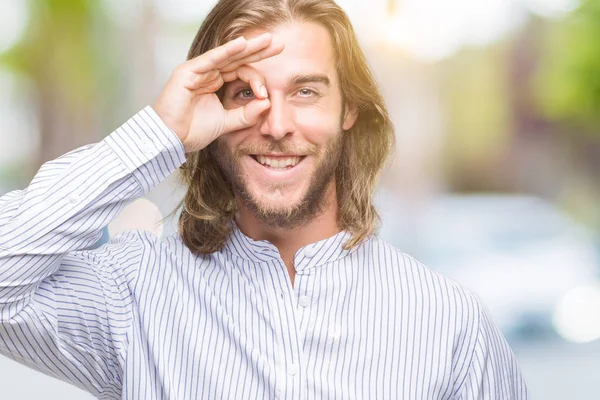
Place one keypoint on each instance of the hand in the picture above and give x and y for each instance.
(188, 104)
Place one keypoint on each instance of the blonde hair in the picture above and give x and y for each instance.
(209, 205)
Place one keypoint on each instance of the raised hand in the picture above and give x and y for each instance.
(188, 104)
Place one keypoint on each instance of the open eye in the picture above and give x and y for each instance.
(245, 93)
(305, 92)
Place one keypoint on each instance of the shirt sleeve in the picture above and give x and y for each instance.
(63, 310)
(493, 371)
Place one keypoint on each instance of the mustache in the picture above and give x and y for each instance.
(273, 146)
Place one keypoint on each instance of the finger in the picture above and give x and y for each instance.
(212, 58)
(246, 116)
(253, 46)
(270, 51)
(192, 81)
(252, 77)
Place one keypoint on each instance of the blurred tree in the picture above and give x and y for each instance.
(61, 53)
(567, 90)
(476, 91)
(568, 81)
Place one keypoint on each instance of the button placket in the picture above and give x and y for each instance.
(288, 357)
(293, 369)
(304, 301)
(296, 370)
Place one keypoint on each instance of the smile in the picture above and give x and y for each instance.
(278, 162)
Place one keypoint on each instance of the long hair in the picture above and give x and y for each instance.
(209, 205)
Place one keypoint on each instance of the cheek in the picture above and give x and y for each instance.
(318, 125)
(233, 139)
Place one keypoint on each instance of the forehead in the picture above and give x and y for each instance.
(308, 50)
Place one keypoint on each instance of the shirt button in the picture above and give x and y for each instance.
(309, 252)
(293, 369)
(304, 301)
(74, 198)
(146, 148)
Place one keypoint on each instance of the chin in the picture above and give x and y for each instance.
(278, 201)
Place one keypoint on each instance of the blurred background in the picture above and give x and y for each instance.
(496, 178)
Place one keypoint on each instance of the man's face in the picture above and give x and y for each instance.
(282, 167)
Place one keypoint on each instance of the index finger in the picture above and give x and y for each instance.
(270, 51)
(212, 58)
(255, 46)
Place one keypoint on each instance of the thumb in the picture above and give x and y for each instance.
(243, 117)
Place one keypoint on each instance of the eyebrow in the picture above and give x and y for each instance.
(313, 78)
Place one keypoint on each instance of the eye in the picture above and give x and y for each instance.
(245, 93)
(305, 92)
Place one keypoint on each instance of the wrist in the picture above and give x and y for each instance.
(169, 123)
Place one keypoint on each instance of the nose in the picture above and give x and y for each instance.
(278, 121)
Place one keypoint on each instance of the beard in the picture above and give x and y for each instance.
(282, 216)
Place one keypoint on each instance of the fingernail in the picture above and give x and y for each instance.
(263, 91)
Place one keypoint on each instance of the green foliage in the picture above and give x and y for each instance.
(475, 89)
(59, 48)
(568, 84)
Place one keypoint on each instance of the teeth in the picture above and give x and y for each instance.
(278, 162)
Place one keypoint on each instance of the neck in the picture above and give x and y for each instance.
(289, 240)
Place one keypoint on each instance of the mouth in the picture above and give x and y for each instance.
(278, 162)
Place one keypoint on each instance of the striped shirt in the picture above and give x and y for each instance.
(144, 318)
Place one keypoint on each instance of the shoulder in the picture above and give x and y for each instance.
(170, 249)
(388, 257)
(144, 242)
(123, 253)
(439, 299)
(131, 250)
(137, 254)
(138, 242)
(419, 281)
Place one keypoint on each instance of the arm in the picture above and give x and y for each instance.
(64, 311)
(493, 372)
(67, 311)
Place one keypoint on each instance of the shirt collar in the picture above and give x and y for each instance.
(310, 256)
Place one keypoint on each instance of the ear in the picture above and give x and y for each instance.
(350, 115)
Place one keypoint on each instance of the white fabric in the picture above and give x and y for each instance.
(141, 318)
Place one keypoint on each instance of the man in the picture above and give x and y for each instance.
(276, 286)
